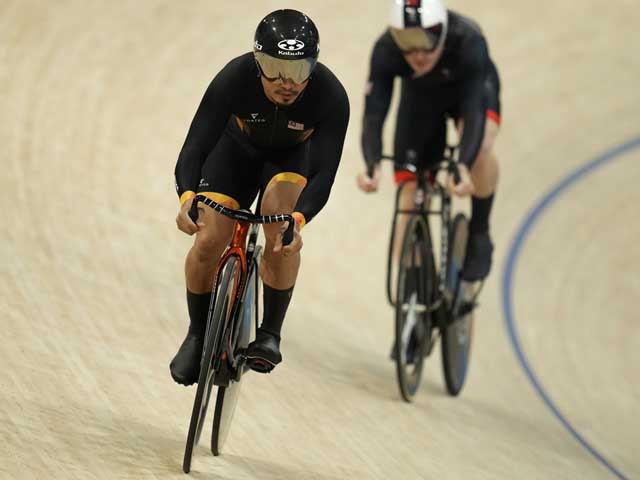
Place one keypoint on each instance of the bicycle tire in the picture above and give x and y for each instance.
(215, 326)
(391, 248)
(458, 331)
(415, 259)
(227, 397)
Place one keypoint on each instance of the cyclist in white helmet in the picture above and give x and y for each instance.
(443, 60)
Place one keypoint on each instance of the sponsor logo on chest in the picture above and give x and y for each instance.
(254, 118)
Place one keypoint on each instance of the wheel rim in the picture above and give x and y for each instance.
(205, 379)
(226, 402)
(411, 313)
(204, 405)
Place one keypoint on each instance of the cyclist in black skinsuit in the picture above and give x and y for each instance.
(443, 60)
(272, 120)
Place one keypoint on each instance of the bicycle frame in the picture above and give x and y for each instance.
(243, 251)
(247, 223)
(427, 188)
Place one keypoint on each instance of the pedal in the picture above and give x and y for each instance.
(260, 365)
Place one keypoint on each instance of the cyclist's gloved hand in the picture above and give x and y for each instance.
(296, 244)
(465, 186)
(369, 184)
(184, 222)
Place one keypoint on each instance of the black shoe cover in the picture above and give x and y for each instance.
(477, 262)
(263, 354)
(185, 366)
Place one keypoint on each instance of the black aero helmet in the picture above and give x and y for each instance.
(286, 46)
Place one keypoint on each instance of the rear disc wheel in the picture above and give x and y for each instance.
(458, 332)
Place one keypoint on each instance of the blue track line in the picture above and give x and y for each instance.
(507, 284)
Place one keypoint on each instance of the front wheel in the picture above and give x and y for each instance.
(413, 321)
(215, 326)
(458, 329)
(247, 318)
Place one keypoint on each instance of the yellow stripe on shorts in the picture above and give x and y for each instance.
(222, 198)
(290, 177)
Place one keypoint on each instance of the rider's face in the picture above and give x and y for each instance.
(422, 61)
(282, 92)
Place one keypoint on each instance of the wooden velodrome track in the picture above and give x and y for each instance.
(95, 100)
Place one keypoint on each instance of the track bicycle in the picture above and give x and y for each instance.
(431, 299)
(232, 324)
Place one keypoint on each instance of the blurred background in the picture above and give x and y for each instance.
(95, 101)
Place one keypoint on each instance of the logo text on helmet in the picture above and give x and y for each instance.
(291, 45)
(289, 54)
(257, 46)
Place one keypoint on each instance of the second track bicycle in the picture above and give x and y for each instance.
(431, 300)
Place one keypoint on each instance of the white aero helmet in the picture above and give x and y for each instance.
(418, 24)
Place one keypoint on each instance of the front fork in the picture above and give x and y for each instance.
(236, 248)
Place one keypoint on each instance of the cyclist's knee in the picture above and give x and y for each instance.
(275, 205)
(486, 156)
(486, 149)
(281, 195)
(486, 159)
(209, 243)
(212, 218)
(271, 232)
(272, 205)
(214, 235)
(485, 167)
(484, 173)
